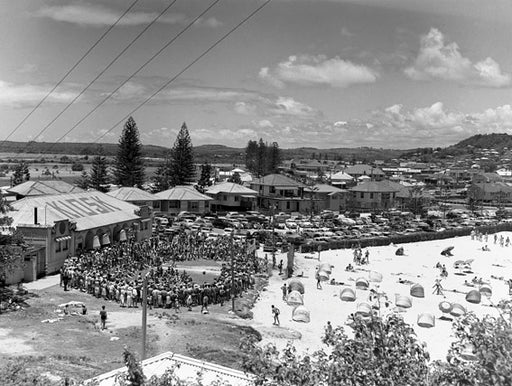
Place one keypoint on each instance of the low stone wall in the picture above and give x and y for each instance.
(401, 239)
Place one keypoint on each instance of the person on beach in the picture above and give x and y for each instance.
(103, 317)
(275, 313)
(280, 266)
(318, 282)
(285, 291)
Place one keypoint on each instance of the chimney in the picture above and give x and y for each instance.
(35, 216)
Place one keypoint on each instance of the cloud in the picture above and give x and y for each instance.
(317, 70)
(242, 101)
(439, 60)
(97, 15)
(27, 94)
(346, 33)
(211, 22)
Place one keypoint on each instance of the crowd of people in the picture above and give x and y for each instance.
(115, 273)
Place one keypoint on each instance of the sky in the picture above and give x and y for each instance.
(303, 73)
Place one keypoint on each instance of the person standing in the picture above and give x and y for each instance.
(103, 317)
(204, 304)
(285, 291)
(275, 313)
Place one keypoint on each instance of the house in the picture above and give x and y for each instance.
(136, 196)
(328, 197)
(341, 179)
(42, 187)
(183, 198)
(231, 196)
(491, 192)
(360, 170)
(373, 196)
(280, 193)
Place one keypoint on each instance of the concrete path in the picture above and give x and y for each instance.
(41, 284)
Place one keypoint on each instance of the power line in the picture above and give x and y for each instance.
(101, 72)
(186, 68)
(136, 72)
(69, 71)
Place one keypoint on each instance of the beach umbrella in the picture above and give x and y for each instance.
(326, 267)
(403, 301)
(375, 276)
(417, 291)
(294, 299)
(364, 309)
(445, 307)
(296, 285)
(301, 314)
(362, 283)
(485, 290)
(348, 295)
(457, 310)
(474, 297)
(322, 275)
(400, 251)
(426, 320)
(458, 264)
(447, 251)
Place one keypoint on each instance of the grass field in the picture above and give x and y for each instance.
(76, 347)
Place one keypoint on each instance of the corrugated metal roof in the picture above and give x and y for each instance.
(44, 187)
(132, 194)
(324, 188)
(87, 209)
(342, 176)
(278, 180)
(182, 193)
(363, 169)
(377, 186)
(230, 187)
(186, 369)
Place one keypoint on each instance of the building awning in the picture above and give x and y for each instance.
(96, 242)
(247, 196)
(105, 239)
(59, 239)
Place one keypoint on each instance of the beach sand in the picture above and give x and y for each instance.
(417, 266)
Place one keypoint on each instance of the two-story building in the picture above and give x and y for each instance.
(231, 196)
(370, 196)
(362, 170)
(280, 193)
(329, 197)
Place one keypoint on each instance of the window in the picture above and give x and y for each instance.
(224, 197)
(57, 246)
(272, 189)
(193, 206)
(174, 204)
(287, 204)
(371, 196)
(362, 194)
(237, 198)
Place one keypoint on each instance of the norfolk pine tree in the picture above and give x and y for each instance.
(98, 178)
(163, 175)
(182, 159)
(129, 165)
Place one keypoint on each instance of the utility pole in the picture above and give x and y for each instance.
(144, 314)
(273, 236)
(232, 272)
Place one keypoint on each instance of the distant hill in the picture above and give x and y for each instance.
(497, 141)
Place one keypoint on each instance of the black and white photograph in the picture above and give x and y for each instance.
(255, 192)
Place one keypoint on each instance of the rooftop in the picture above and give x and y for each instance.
(230, 187)
(43, 187)
(132, 194)
(182, 193)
